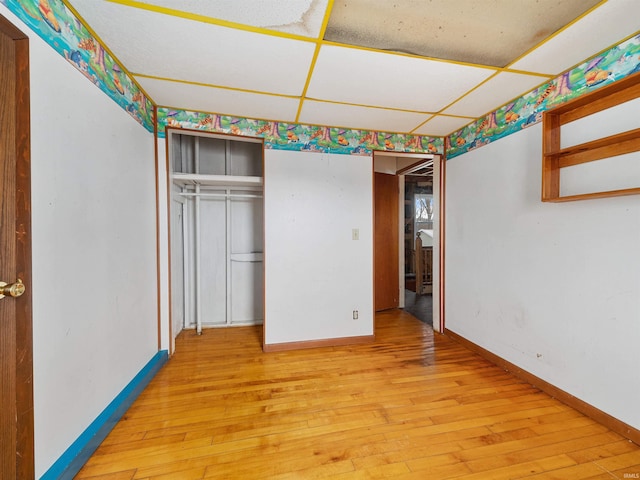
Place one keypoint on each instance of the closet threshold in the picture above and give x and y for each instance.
(184, 179)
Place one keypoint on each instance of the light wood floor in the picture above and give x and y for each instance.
(409, 406)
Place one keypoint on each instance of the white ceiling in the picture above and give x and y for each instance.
(407, 66)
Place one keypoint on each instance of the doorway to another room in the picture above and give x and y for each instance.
(418, 238)
(418, 264)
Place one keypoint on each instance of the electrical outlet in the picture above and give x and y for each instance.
(355, 314)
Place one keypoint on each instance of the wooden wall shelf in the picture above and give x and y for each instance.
(554, 158)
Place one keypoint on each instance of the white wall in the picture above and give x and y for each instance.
(552, 288)
(94, 268)
(316, 275)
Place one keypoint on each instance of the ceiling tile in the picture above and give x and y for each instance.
(181, 49)
(299, 17)
(602, 28)
(366, 77)
(441, 125)
(363, 118)
(485, 32)
(219, 100)
(497, 91)
(203, 46)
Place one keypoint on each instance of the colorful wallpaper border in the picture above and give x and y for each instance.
(63, 31)
(291, 136)
(614, 64)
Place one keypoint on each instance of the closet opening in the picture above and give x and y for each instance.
(216, 230)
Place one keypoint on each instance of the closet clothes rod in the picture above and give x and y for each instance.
(221, 195)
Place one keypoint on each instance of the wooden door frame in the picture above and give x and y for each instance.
(442, 237)
(24, 433)
(440, 159)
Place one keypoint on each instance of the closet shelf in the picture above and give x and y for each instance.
(184, 179)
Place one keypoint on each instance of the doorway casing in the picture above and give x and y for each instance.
(16, 327)
(383, 163)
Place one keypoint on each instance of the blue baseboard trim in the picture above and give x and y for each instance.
(72, 460)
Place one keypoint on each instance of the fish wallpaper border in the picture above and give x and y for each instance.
(297, 137)
(52, 21)
(614, 64)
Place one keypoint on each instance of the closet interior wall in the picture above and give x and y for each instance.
(216, 231)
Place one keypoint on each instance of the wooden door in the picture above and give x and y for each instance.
(16, 350)
(386, 225)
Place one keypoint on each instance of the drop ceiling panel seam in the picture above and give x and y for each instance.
(325, 21)
(213, 21)
(440, 60)
(184, 46)
(106, 48)
(362, 118)
(211, 85)
(238, 104)
(290, 122)
(408, 55)
(297, 17)
(203, 53)
(422, 124)
(551, 79)
(484, 112)
(256, 118)
(393, 109)
(556, 33)
(607, 19)
(239, 26)
(368, 77)
(597, 54)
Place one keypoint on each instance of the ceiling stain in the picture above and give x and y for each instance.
(488, 32)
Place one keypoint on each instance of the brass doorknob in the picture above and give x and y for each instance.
(11, 289)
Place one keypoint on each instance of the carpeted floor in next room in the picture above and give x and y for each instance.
(420, 306)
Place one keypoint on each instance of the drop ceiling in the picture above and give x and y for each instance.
(404, 66)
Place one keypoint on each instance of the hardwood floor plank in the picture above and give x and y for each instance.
(164, 449)
(522, 470)
(391, 470)
(324, 461)
(143, 443)
(632, 471)
(411, 405)
(494, 413)
(322, 471)
(441, 472)
(190, 474)
(514, 454)
(580, 472)
(605, 451)
(542, 421)
(115, 438)
(128, 475)
(602, 476)
(629, 460)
